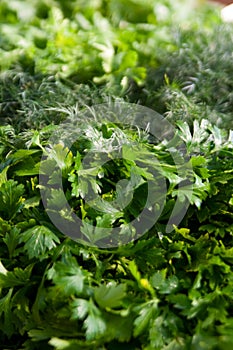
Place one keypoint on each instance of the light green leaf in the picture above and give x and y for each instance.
(32, 202)
(158, 278)
(38, 241)
(80, 309)
(110, 295)
(94, 323)
(146, 315)
(62, 156)
(3, 270)
(3, 175)
(69, 277)
(134, 270)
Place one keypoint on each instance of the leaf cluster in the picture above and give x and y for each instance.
(170, 288)
(163, 290)
(202, 85)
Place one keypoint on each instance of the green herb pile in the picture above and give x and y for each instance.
(169, 289)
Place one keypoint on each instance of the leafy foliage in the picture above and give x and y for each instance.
(165, 289)
(111, 41)
(202, 85)
(168, 289)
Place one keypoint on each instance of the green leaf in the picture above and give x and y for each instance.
(11, 198)
(94, 323)
(125, 188)
(69, 277)
(21, 154)
(95, 327)
(62, 156)
(56, 199)
(120, 327)
(180, 301)
(105, 220)
(186, 134)
(5, 312)
(32, 202)
(3, 175)
(156, 334)
(198, 161)
(158, 278)
(134, 270)
(95, 233)
(80, 308)
(38, 241)
(147, 314)
(17, 277)
(4, 227)
(110, 295)
(12, 240)
(61, 344)
(3, 270)
(184, 232)
(163, 284)
(227, 255)
(28, 169)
